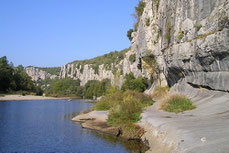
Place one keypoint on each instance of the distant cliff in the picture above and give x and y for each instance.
(37, 73)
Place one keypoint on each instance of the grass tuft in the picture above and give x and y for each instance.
(177, 104)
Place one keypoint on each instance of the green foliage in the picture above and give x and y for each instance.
(112, 98)
(136, 26)
(71, 88)
(148, 22)
(14, 79)
(63, 87)
(129, 34)
(180, 34)
(168, 32)
(125, 109)
(22, 80)
(140, 8)
(132, 83)
(95, 88)
(6, 75)
(107, 59)
(132, 58)
(177, 104)
(150, 60)
(198, 26)
(139, 11)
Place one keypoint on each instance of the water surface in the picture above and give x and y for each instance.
(46, 126)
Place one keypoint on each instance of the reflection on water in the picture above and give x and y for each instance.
(46, 126)
(133, 146)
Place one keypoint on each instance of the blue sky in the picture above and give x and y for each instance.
(49, 33)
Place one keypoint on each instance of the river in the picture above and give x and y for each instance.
(46, 126)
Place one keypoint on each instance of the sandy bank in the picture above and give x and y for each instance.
(27, 97)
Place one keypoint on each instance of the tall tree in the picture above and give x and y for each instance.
(6, 74)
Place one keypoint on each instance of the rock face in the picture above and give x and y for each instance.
(189, 40)
(115, 73)
(37, 74)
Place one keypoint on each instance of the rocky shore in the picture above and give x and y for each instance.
(96, 120)
(204, 129)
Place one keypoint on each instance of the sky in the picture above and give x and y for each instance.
(49, 33)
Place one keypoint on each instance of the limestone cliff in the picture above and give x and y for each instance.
(111, 66)
(188, 39)
(41, 73)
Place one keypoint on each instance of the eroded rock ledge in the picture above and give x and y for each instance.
(96, 120)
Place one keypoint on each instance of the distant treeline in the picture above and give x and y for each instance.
(69, 87)
(14, 79)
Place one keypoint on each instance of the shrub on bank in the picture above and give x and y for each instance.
(113, 97)
(177, 104)
(125, 107)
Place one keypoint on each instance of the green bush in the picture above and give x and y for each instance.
(125, 109)
(149, 63)
(148, 22)
(180, 35)
(112, 98)
(127, 112)
(132, 58)
(95, 88)
(140, 8)
(129, 34)
(132, 83)
(198, 26)
(124, 106)
(177, 104)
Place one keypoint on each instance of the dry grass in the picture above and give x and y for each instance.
(160, 92)
(177, 103)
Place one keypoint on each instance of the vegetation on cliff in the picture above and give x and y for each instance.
(107, 59)
(14, 79)
(51, 70)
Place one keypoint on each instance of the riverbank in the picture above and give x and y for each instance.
(204, 129)
(27, 97)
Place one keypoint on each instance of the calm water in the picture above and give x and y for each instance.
(46, 126)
